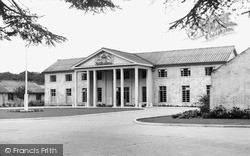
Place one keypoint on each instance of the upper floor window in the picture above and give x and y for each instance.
(162, 73)
(99, 75)
(52, 78)
(185, 72)
(126, 74)
(209, 70)
(84, 76)
(68, 77)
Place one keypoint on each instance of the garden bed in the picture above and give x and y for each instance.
(170, 120)
(57, 112)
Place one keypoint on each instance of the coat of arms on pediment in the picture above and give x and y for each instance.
(104, 58)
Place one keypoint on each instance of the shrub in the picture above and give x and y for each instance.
(219, 112)
(188, 114)
(36, 103)
(204, 104)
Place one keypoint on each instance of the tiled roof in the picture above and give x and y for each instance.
(8, 86)
(129, 56)
(172, 57)
(63, 65)
(186, 56)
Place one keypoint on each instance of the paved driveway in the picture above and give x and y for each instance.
(116, 134)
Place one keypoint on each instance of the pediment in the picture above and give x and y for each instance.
(103, 58)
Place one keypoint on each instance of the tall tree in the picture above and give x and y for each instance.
(19, 21)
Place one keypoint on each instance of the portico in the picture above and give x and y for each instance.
(113, 79)
(129, 86)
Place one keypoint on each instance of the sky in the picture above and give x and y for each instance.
(140, 26)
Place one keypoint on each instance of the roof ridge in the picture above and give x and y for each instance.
(71, 58)
(174, 50)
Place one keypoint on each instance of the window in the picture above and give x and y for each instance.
(209, 70)
(68, 92)
(99, 94)
(84, 95)
(185, 72)
(99, 75)
(38, 96)
(84, 76)
(118, 75)
(53, 92)
(208, 87)
(126, 94)
(68, 77)
(126, 74)
(185, 94)
(144, 74)
(162, 94)
(52, 78)
(144, 94)
(10, 97)
(162, 73)
(53, 95)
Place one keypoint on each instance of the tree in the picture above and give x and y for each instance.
(19, 92)
(18, 21)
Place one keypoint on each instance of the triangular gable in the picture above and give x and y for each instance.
(103, 57)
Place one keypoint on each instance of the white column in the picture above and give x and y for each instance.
(114, 87)
(136, 87)
(122, 88)
(94, 88)
(75, 97)
(149, 88)
(88, 89)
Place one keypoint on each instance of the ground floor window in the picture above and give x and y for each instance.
(185, 94)
(162, 93)
(53, 95)
(84, 95)
(126, 94)
(38, 96)
(208, 87)
(68, 92)
(10, 96)
(99, 94)
(144, 94)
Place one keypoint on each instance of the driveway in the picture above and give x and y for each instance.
(116, 134)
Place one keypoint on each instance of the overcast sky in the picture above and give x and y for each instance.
(139, 27)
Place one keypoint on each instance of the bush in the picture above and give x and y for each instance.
(188, 114)
(204, 104)
(36, 103)
(218, 112)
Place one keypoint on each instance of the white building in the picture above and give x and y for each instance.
(231, 83)
(119, 79)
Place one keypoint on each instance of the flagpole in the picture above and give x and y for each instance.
(26, 100)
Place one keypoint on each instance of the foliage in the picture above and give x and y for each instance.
(218, 112)
(188, 114)
(19, 21)
(36, 103)
(32, 76)
(20, 91)
(204, 104)
(203, 10)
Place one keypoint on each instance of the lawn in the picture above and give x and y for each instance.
(170, 120)
(57, 112)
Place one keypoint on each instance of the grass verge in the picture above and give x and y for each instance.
(169, 119)
(57, 112)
